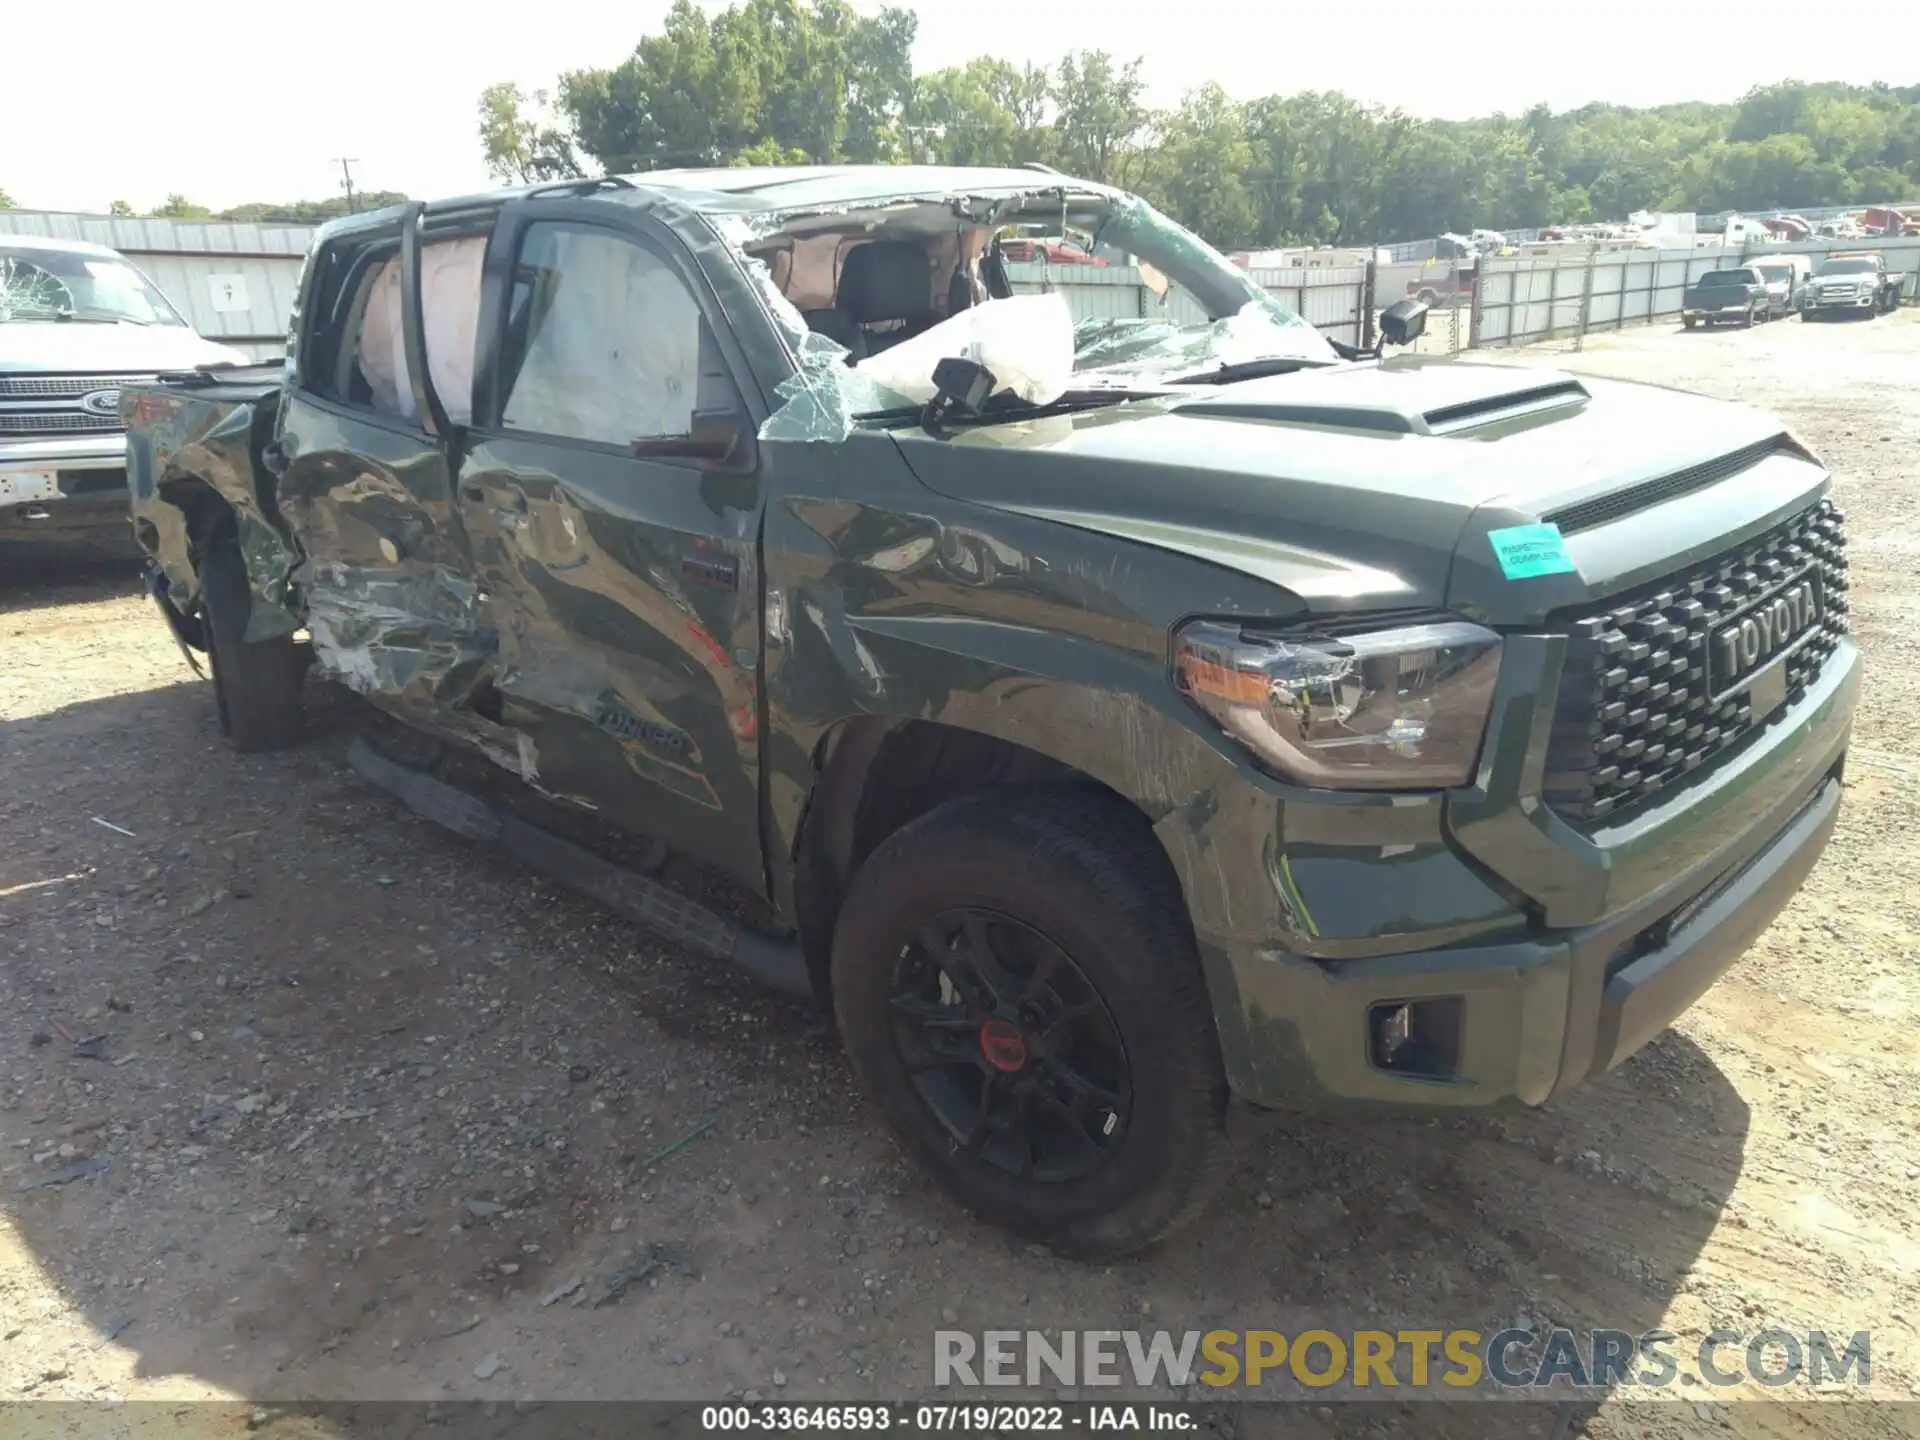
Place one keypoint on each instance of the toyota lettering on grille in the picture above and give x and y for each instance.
(1745, 644)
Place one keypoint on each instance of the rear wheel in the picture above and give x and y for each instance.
(1687, 322)
(256, 684)
(1746, 320)
(1018, 988)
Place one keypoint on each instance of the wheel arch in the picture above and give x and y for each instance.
(873, 775)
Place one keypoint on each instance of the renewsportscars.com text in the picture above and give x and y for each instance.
(1380, 1359)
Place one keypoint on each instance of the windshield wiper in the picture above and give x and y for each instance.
(1251, 370)
(1005, 410)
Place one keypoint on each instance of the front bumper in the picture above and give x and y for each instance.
(1534, 1008)
(59, 485)
(1840, 302)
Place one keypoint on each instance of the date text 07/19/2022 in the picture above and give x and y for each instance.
(948, 1418)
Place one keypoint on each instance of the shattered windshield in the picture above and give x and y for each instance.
(39, 284)
(847, 284)
(1203, 312)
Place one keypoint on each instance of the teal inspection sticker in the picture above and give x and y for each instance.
(1528, 550)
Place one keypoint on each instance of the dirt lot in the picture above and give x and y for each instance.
(377, 1116)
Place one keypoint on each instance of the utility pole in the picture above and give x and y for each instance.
(346, 178)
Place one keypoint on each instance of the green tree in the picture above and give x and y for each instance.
(1202, 161)
(6, 201)
(521, 139)
(312, 212)
(956, 117)
(178, 207)
(1098, 113)
(120, 207)
(808, 81)
(811, 77)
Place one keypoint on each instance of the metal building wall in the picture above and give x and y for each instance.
(235, 283)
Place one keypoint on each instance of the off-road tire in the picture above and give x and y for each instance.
(257, 684)
(1084, 871)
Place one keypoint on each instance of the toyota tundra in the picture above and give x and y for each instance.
(1115, 720)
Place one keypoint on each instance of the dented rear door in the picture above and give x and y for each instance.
(366, 484)
(623, 587)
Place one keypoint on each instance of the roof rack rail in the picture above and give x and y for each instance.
(582, 187)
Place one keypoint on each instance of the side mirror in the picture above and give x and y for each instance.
(962, 385)
(715, 435)
(1403, 322)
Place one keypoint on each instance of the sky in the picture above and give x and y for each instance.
(236, 104)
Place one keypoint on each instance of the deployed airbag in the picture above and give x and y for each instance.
(1025, 341)
(450, 300)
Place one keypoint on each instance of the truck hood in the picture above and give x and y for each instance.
(1375, 486)
(51, 347)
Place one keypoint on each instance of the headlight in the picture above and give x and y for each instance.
(1392, 709)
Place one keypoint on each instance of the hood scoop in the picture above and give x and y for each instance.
(1414, 399)
(1484, 410)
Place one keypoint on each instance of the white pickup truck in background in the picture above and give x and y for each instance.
(77, 321)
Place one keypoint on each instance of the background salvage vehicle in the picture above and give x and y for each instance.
(1111, 722)
(1856, 284)
(1784, 276)
(1737, 294)
(77, 322)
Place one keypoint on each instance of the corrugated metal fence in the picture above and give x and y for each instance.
(1521, 298)
(238, 282)
(235, 283)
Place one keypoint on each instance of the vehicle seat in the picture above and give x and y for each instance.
(838, 327)
(884, 281)
(964, 292)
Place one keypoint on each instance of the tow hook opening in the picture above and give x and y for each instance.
(1417, 1037)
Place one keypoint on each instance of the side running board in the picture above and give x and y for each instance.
(775, 963)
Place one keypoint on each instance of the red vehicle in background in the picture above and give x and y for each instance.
(1034, 251)
(1889, 220)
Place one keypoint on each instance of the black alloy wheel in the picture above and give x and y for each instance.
(1010, 1047)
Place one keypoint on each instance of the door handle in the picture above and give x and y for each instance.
(473, 493)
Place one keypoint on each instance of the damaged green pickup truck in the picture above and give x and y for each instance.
(1125, 717)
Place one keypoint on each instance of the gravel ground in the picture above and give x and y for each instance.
(302, 1099)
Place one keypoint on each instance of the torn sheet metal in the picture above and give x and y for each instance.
(270, 564)
(418, 636)
(207, 439)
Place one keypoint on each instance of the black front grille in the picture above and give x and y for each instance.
(65, 386)
(1636, 712)
(58, 422)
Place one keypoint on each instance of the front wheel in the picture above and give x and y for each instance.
(1018, 988)
(1687, 322)
(256, 684)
